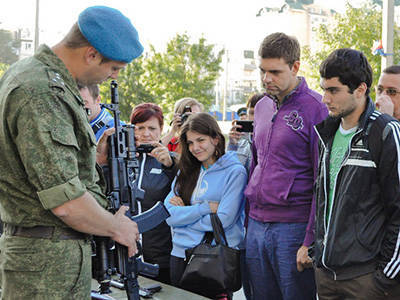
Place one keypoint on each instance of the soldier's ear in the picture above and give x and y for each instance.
(91, 55)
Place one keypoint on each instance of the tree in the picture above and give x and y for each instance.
(131, 88)
(357, 28)
(183, 70)
(8, 47)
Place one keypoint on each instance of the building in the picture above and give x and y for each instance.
(297, 18)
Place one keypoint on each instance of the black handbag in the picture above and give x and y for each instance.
(212, 269)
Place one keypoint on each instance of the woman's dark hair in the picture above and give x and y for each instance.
(350, 66)
(189, 166)
(252, 101)
(143, 112)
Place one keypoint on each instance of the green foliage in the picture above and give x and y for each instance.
(357, 28)
(3, 68)
(131, 88)
(8, 47)
(183, 70)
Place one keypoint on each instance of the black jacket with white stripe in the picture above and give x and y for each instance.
(363, 231)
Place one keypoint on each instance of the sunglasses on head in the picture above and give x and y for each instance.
(389, 91)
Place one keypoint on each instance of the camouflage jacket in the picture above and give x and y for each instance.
(48, 150)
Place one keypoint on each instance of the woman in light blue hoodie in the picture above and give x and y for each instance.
(209, 181)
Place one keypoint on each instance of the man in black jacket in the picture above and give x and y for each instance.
(357, 242)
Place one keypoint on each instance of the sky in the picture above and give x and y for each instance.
(227, 23)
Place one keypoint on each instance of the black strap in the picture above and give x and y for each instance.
(376, 137)
(97, 126)
(218, 233)
(218, 229)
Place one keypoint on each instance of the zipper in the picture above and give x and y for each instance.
(268, 141)
(326, 198)
(333, 201)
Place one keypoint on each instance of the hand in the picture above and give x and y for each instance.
(176, 123)
(303, 260)
(102, 147)
(127, 233)
(213, 206)
(161, 153)
(385, 104)
(234, 135)
(176, 201)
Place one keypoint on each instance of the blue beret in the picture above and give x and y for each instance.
(110, 32)
(242, 111)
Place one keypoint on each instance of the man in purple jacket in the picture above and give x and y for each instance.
(280, 190)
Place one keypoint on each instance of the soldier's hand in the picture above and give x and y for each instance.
(127, 232)
(385, 104)
(102, 147)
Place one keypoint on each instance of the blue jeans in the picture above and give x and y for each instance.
(271, 251)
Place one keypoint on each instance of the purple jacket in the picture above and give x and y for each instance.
(285, 159)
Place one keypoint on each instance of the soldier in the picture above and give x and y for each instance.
(50, 193)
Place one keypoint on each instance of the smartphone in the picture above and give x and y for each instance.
(247, 126)
(185, 114)
(145, 148)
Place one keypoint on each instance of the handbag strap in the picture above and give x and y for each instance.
(218, 230)
(207, 238)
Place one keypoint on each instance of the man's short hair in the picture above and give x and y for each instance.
(93, 89)
(75, 39)
(350, 66)
(280, 45)
(395, 69)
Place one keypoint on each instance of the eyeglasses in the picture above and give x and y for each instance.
(389, 91)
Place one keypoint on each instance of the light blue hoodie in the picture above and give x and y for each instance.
(223, 182)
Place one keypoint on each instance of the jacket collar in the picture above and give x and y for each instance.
(327, 128)
(299, 88)
(49, 58)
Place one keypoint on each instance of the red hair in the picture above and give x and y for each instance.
(145, 111)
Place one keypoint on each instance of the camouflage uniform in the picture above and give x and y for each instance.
(48, 154)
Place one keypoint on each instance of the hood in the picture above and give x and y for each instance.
(227, 160)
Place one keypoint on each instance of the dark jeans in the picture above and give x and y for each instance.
(359, 288)
(177, 267)
(271, 252)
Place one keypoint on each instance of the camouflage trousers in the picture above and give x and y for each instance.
(33, 268)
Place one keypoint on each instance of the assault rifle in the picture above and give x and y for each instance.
(122, 190)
